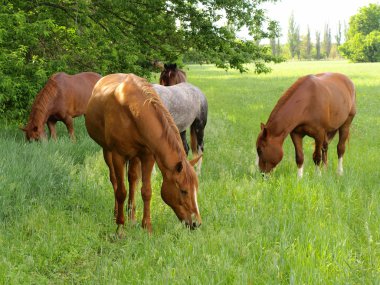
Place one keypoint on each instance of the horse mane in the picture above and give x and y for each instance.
(170, 133)
(40, 104)
(286, 96)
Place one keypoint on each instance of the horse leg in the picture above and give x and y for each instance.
(297, 141)
(196, 135)
(118, 162)
(52, 131)
(344, 132)
(147, 163)
(69, 122)
(325, 147)
(317, 155)
(108, 159)
(134, 174)
(328, 138)
(184, 142)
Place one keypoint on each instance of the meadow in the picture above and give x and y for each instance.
(56, 202)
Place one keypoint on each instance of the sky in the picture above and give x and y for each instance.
(315, 13)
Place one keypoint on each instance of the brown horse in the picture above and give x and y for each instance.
(315, 105)
(127, 119)
(63, 98)
(171, 75)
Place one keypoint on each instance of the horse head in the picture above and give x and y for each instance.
(179, 190)
(269, 150)
(171, 75)
(34, 133)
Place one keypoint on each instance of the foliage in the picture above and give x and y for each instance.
(294, 37)
(39, 38)
(318, 44)
(306, 45)
(56, 201)
(327, 41)
(363, 43)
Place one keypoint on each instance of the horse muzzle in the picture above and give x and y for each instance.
(195, 222)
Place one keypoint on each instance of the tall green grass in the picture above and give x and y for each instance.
(56, 203)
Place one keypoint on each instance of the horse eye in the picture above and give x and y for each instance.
(183, 192)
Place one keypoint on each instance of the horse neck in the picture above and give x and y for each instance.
(285, 118)
(42, 105)
(163, 139)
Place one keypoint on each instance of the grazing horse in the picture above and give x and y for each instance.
(315, 105)
(62, 98)
(127, 119)
(171, 75)
(188, 106)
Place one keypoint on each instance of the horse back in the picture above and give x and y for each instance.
(184, 101)
(74, 91)
(113, 112)
(331, 99)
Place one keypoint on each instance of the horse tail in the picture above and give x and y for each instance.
(194, 141)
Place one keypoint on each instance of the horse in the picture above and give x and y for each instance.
(188, 106)
(318, 106)
(171, 75)
(126, 117)
(62, 98)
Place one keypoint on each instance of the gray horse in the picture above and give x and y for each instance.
(188, 107)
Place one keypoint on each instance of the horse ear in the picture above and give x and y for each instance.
(195, 160)
(174, 66)
(262, 126)
(265, 132)
(165, 66)
(179, 167)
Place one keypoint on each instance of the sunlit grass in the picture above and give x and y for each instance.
(56, 203)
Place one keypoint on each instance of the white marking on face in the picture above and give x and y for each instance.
(257, 160)
(300, 172)
(340, 166)
(195, 200)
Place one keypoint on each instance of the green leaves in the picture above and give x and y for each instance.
(363, 44)
(39, 38)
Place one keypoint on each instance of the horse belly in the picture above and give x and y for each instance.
(339, 110)
(182, 116)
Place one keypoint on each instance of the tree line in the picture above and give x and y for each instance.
(359, 41)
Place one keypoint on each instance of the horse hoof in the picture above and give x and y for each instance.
(120, 232)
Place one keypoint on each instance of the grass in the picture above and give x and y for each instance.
(56, 203)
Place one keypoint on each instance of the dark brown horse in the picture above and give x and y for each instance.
(127, 119)
(171, 75)
(63, 98)
(318, 106)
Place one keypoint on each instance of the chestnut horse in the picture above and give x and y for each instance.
(63, 98)
(127, 119)
(171, 75)
(315, 105)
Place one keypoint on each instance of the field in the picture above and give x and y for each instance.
(56, 202)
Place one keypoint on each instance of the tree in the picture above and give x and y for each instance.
(363, 36)
(38, 38)
(338, 36)
(318, 45)
(327, 41)
(274, 33)
(307, 45)
(293, 37)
